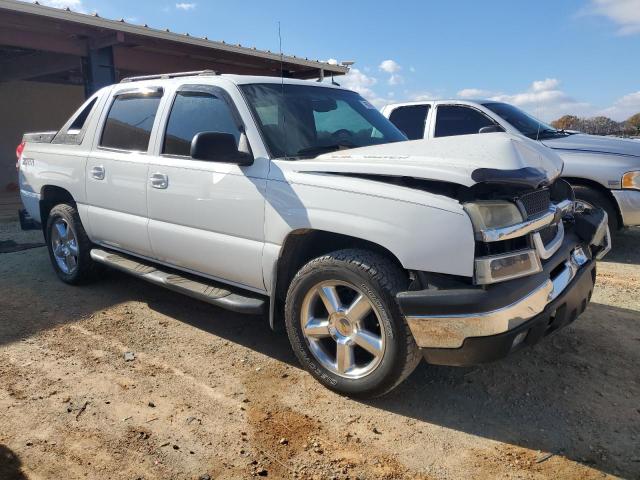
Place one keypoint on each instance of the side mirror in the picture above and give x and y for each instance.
(218, 147)
(491, 129)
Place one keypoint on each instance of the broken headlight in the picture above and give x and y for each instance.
(492, 214)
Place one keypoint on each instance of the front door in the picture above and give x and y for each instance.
(206, 216)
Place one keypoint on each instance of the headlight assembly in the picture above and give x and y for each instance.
(492, 214)
(631, 180)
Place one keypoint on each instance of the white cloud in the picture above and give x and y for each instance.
(332, 61)
(543, 98)
(625, 13)
(545, 85)
(392, 68)
(360, 82)
(395, 79)
(389, 66)
(547, 101)
(185, 6)
(74, 5)
(422, 97)
(475, 93)
(624, 107)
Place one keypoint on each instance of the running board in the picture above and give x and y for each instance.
(209, 292)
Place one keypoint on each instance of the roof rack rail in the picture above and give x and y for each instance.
(168, 75)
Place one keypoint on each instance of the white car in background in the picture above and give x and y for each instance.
(603, 171)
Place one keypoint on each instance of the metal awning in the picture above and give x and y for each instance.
(54, 39)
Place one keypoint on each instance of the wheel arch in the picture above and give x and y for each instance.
(50, 196)
(598, 187)
(303, 245)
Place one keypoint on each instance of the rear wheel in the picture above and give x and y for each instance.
(593, 198)
(345, 326)
(69, 246)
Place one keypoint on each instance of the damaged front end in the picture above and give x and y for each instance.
(534, 271)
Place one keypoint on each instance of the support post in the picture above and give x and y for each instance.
(100, 70)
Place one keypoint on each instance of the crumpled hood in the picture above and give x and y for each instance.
(595, 144)
(465, 160)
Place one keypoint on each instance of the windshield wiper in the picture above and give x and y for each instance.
(318, 149)
(547, 132)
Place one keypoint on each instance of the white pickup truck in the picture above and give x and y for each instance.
(301, 201)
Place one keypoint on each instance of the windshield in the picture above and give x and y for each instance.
(300, 121)
(523, 122)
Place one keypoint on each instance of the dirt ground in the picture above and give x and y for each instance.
(216, 395)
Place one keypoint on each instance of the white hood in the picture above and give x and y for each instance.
(457, 159)
(595, 144)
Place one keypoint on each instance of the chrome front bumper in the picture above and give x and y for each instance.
(451, 331)
(435, 331)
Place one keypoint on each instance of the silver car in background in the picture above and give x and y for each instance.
(604, 171)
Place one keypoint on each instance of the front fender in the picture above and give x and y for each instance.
(421, 236)
(603, 168)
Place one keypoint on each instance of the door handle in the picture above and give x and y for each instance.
(159, 180)
(97, 172)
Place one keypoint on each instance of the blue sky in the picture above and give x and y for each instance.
(550, 57)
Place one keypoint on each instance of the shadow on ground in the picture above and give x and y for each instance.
(10, 465)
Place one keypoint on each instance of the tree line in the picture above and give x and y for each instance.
(599, 125)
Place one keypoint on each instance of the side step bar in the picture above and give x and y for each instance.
(209, 292)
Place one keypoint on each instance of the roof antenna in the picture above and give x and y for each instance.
(537, 120)
(282, 105)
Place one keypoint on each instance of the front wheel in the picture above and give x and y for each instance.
(345, 326)
(590, 198)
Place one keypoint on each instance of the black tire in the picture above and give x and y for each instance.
(598, 199)
(86, 269)
(379, 279)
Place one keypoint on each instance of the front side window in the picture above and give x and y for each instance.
(130, 120)
(303, 121)
(459, 120)
(193, 113)
(410, 120)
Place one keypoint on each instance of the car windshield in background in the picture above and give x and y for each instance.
(525, 123)
(300, 121)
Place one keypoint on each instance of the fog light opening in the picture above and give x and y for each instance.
(519, 338)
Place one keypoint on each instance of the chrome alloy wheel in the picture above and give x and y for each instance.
(343, 329)
(64, 246)
(582, 205)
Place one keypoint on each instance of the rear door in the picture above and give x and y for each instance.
(206, 216)
(411, 120)
(117, 170)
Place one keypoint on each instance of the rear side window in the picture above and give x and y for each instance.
(193, 113)
(459, 120)
(81, 119)
(129, 122)
(410, 120)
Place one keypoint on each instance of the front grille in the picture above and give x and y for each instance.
(548, 233)
(536, 202)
